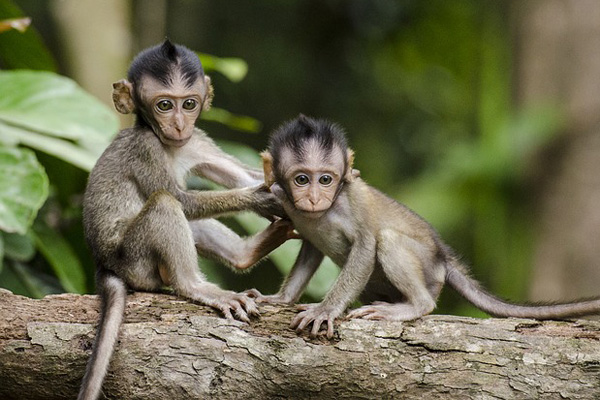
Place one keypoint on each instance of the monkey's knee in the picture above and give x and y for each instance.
(162, 198)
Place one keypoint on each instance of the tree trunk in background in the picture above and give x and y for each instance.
(558, 62)
(171, 349)
(97, 40)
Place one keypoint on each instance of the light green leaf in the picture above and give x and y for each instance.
(23, 189)
(65, 150)
(1, 253)
(234, 69)
(54, 105)
(242, 152)
(62, 258)
(239, 122)
(18, 247)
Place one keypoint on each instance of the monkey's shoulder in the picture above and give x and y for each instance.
(385, 212)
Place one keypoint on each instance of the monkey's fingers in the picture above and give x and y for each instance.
(316, 326)
(239, 311)
(329, 328)
(301, 321)
(253, 293)
(371, 312)
(250, 306)
(226, 311)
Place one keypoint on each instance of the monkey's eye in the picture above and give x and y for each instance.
(325, 180)
(301, 180)
(190, 104)
(164, 105)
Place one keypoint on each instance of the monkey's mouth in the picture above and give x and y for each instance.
(176, 142)
(312, 208)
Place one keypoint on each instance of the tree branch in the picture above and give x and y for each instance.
(169, 348)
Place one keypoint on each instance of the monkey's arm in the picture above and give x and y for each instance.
(222, 168)
(201, 204)
(352, 280)
(215, 240)
(309, 259)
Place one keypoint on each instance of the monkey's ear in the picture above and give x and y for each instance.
(207, 102)
(268, 168)
(122, 96)
(350, 172)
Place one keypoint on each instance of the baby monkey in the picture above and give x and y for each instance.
(142, 224)
(391, 258)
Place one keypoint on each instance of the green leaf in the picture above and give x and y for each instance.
(59, 148)
(284, 256)
(18, 247)
(1, 253)
(58, 252)
(242, 152)
(239, 122)
(47, 103)
(234, 69)
(23, 189)
(23, 49)
(21, 279)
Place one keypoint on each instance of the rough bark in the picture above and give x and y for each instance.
(169, 348)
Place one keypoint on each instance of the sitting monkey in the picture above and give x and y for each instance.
(391, 258)
(143, 226)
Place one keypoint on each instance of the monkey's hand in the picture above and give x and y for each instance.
(317, 314)
(268, 299)
(266, 204)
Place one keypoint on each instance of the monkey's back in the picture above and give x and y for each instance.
(112, 197)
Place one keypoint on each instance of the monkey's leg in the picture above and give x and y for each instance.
(400, 260)
(308, 260)
(159, 247)
(215, 240)
(352, 279)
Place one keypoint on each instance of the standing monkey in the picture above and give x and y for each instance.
(389, 255)
(143, 227)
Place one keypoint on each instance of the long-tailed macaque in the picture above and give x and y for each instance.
(143, 227)
(391, 258)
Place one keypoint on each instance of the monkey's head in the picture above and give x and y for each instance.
(167, 89)
(310, 161)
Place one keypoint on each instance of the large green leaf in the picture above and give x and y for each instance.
(18, 247)
(23, 189)
(61, 257)
(54, 105)
(22, 49)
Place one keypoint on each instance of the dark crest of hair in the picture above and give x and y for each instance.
(162, 61)
(295, 133)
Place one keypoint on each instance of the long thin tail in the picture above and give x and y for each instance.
(113, 294)
(472, 291)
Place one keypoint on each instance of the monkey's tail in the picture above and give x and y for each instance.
(113, 294)
(458, 278)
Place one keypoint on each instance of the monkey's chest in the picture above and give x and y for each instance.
(328, 235)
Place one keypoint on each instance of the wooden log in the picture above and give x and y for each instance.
(172, 349)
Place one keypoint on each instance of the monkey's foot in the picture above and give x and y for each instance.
(269, 299)
(233, 305)
(380, 310)
(317, 314)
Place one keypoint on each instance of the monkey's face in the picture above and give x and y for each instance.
(172, 110)
(312, 177)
